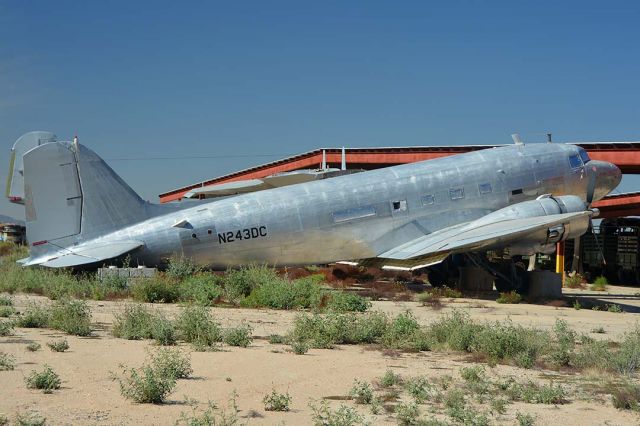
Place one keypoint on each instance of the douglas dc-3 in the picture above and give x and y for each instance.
(521, 197)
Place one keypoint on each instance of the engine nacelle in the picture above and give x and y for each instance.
(544, 240)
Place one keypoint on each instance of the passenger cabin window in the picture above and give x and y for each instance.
(485, 188)
(399, 205)
(456, 193)
(575, 161)
(354, 213)
(427, 199)
(584, 156)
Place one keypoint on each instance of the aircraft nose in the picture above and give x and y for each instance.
(607, 175)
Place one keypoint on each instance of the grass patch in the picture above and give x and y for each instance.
(71, 316)
(342, 301)
(6, 328)
(158, 289)
(625, 396)
(172, 363)
(390, 379)
(31, 418)
(600, 284)
(58, 345)
(419, 388)
(510, 298)
(299, 347)
(361, 392)
(203, 289)
(35, 316)
(280, 293)
(574, 280)
(197, 326)
(276, 339)
(182, 267)
(7, 362)
(46, 380)
(407, 413)
(136, 322)
(33, 347)
(323, 415)
(239, 283)
(275, 401)
(146, 385)
(238, 336)
(6, 311)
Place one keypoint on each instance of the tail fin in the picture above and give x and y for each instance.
(72, 195)
(15, 181)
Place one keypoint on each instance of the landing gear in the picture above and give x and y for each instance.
(443, 274)
(509, 274)
(511, 277)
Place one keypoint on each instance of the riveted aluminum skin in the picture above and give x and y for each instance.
(356, 216)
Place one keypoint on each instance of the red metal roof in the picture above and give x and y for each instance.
(619, 205)
(625, 155)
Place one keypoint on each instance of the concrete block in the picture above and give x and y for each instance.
(473, 278)
(545, 285)
(136, 273)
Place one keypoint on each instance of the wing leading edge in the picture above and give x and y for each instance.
(473, 236)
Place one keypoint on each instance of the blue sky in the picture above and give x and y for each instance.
(253, 78)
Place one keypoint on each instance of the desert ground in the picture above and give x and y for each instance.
(89, 395)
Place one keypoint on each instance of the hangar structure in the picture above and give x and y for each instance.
(626, 155)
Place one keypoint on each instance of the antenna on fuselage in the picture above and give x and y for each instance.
(516, 139)
(548, 137)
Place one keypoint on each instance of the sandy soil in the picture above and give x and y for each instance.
(90, 396)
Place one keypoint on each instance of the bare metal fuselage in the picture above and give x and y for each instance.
(357, 216)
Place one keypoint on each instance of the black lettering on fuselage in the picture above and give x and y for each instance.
(242, 234)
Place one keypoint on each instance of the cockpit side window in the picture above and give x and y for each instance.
(584, 156)
(575, 161)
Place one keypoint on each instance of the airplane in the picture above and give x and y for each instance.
(432, 214)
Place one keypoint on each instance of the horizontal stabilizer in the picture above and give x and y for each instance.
(84, 255)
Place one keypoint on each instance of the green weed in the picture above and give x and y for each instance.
(361, 392)
(46, 380)
(146, 385)
(238, 336)
(275, 401)
(71, 316)
(35, 316)
(6, 311)
(390, 379)
(6, 328)
(58, 345)
(7, 362)
(204, 289)
(322, 415)
(511, 297)
(600, 284)
(158, 289)
(136, 322)
(342, 301)
(196, 326)
(171, 363)
(33, 347)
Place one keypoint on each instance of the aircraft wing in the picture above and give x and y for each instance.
(472, 236)
(91, 253)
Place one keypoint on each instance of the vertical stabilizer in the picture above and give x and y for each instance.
(15, 181)
(72, 195)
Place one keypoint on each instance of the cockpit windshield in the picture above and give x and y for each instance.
(584, 156)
